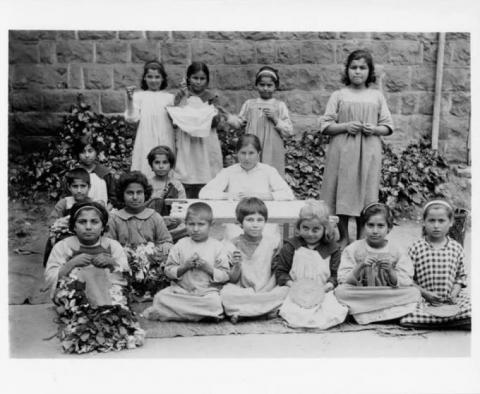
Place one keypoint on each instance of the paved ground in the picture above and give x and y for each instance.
(31, 324)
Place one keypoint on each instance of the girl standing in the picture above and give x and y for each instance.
(308, 263)
(375, 276)
(199, 157)
(267, 118)
(439, 273)
(355, 119)
(147, 107)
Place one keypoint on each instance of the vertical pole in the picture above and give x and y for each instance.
(437, 106)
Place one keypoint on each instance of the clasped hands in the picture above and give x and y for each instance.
(356, 127)
(102, 260)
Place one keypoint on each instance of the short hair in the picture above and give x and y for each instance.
(269, 71)
(84, 206)
(249, 139)
(249, 206)
(200, 209)
(377, 208)
(162, 150)
(357, 55)
(438, 204)
(133, 177)
(154, 65)
(314, 209)
(77, 173)
(80, 143)
(196, 67)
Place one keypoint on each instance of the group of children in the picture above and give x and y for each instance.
(311, 280)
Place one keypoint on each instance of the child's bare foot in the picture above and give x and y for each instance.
(234, 319)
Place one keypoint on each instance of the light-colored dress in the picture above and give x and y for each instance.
(353, 162)
(194, 295)
(256, 292)
(98, 189)
(270, 135)
(309, 267)
(376, 303)
(438, 270)
(154, 128)
(198, 159)
(103, 287)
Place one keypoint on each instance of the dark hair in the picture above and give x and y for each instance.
(377, 208)
(196, 67)
(162, 150)
(357, 55)
(200, 208)
(133, 177)
(154, 65)
(79, 144)
(77, 173)
(248, 139)
(249, 206)
(268, 68)
(96, 206)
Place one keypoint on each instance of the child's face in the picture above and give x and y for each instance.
(198, 227)
(153, 79)
(134, 196)
(161, 166)
(198, 82)
(248, 157)
(266, 87)
(88, 226)
(88, 156)
(311, 231)
(253, 225)
(376, 229)
(358, 72)
(437, 223)
(79, 190)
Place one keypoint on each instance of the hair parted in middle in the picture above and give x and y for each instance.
(154, 65)
(162, 150)
(377, 208)
(133, 177)
(357, 55)
(248, 139)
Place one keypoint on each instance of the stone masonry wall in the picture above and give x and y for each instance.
(49, 68)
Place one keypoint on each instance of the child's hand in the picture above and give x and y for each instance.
(236, 258)
(191, 262)
(81, 260)
(328, 287)
(130, 90)
(354, 127)
(104, 260)
(432, 298)
(454, 294)
(289, 283)
(203, 265)
(368, 129)
(270, 114)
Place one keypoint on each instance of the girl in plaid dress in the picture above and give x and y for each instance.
(439, 273)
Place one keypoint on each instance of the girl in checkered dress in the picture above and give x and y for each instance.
(439, 273)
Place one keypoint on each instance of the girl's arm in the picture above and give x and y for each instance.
(460, 277)
(282, 264)
(279, 188)
(163, 239)
(59, 211)
(217, 188)
(404, 269)
(284, 124)
(328, 122)
(348, 269)
(174, 266)
(132, 113)
(221, 265)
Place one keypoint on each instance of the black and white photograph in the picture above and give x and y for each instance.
(244, 191)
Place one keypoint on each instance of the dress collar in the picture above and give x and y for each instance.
(142, 215)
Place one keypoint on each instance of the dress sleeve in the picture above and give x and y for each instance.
(279, 188)
(173, 262)
(112, 228)
(118, 254)
(331, 112)
(162, 235)
(217, 188)
(134, 115)
(404, 269)
(347, 264)
(284, 124)
(58, 257)
(180, 189)
(221, 265)
(461, 276)
(384, 115)
(282, 264)
(334, 263)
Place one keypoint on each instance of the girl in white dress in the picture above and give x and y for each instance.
(147, 108)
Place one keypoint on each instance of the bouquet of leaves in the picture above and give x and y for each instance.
(147, 264)
(84, 328)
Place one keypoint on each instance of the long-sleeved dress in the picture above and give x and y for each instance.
(270, 135)
(194, 295)
(154, 127)
(370, 303)
(307, 304)
(438, 270)
(256, 292)
(353, 162)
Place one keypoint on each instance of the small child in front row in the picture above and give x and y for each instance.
(307, 263)
(439, 273)
(375, 275)
(198, 266)
(78, 186)
(253, 291)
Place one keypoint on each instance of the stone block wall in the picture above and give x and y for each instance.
(48, 68)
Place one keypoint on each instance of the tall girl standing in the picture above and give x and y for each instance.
(267, 118)
(199, 157)
(355, 118)
(147, 107)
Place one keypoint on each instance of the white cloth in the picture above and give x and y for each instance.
(154, 128)
(234, 179)
(98, 189)
(308, 264)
